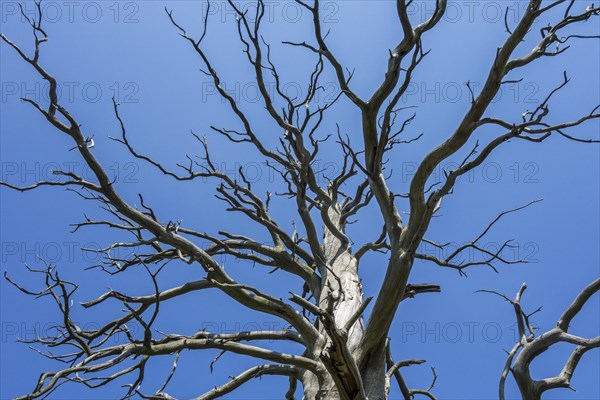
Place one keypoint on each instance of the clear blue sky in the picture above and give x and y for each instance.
(130, 50)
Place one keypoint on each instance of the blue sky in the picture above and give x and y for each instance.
(129, 50)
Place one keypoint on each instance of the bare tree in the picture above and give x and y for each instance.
(346, 352)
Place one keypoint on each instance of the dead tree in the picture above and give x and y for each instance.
(346, 354)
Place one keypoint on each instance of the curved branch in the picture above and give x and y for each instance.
(249, 374)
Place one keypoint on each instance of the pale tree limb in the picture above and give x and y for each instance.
(422, 208)
(530, 346)
(393, 370)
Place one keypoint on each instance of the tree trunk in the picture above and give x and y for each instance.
(341, 294)
(373, 375)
